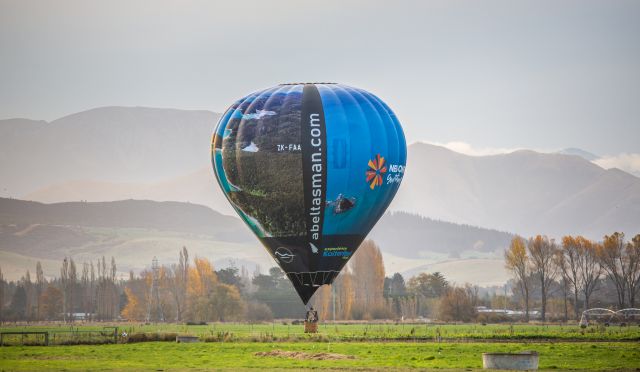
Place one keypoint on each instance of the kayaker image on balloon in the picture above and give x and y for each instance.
(310, 168)
(342, 204)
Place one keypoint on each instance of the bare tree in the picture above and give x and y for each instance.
(92, 288)
(103, 267)
(73, 281)
(172, 285)
(101, 297)
(64, 281)
(184, 265)
(84, 283)
(177, 279)
(457, 304)
(28, 288)
(590, 269)
(565, 289)
(611, 257)
(633, 268)
(516, 261)
(113, 270)
(472, 293)
(1, 297)
(106, 290)
(40, 283)
(542, 251)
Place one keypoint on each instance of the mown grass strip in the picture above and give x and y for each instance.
(233, 356)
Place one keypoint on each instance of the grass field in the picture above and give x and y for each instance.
(278, 331)
(364, 346)
(368, 356)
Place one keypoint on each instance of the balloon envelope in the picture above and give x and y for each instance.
(310, 168)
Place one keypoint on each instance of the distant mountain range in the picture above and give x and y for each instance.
(524, 192)
(579, 152)
(116, 153)
(109, 144)
(134, 231)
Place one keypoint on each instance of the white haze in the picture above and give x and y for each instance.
(497, 73)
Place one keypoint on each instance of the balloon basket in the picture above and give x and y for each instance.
(310, 327)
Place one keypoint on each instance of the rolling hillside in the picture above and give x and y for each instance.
(134, 231)
(145, 214)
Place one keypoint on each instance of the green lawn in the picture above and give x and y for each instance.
(372, 355)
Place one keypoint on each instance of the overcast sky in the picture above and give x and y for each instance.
(493, 74)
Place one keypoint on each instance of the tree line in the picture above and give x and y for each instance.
(575, 269)
(557, 279)
(92, 290)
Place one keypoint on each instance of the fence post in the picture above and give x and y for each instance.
(46, 339)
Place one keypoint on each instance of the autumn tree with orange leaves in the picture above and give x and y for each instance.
(633, 273)
(590, 269)
(542, 252)
(517, 262)
(579, 266)
(367, 268)
(358, 289)
(611, 256)
(621, 262)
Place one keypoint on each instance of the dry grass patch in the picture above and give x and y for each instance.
(303, 356)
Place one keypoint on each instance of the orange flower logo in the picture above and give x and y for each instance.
(375, 172)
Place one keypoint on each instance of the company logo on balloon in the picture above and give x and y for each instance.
(284, 255)
(337, 252)
(375, 172)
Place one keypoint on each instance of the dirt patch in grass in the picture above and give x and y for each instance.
(302, 355)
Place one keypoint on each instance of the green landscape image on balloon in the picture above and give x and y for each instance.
(265, 183)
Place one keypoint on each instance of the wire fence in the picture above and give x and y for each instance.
(281, 331)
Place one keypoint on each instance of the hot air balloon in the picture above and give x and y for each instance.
(310, 168)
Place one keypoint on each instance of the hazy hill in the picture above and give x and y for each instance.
(116, 153)
(197, 187)
(413, 236)
(524, 192)
(146, 214)
(134, 231)
(579, 152)
(115, 144)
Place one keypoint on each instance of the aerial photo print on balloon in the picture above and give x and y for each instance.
(310, 168)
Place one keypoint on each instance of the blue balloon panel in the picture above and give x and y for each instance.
(310, 168)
